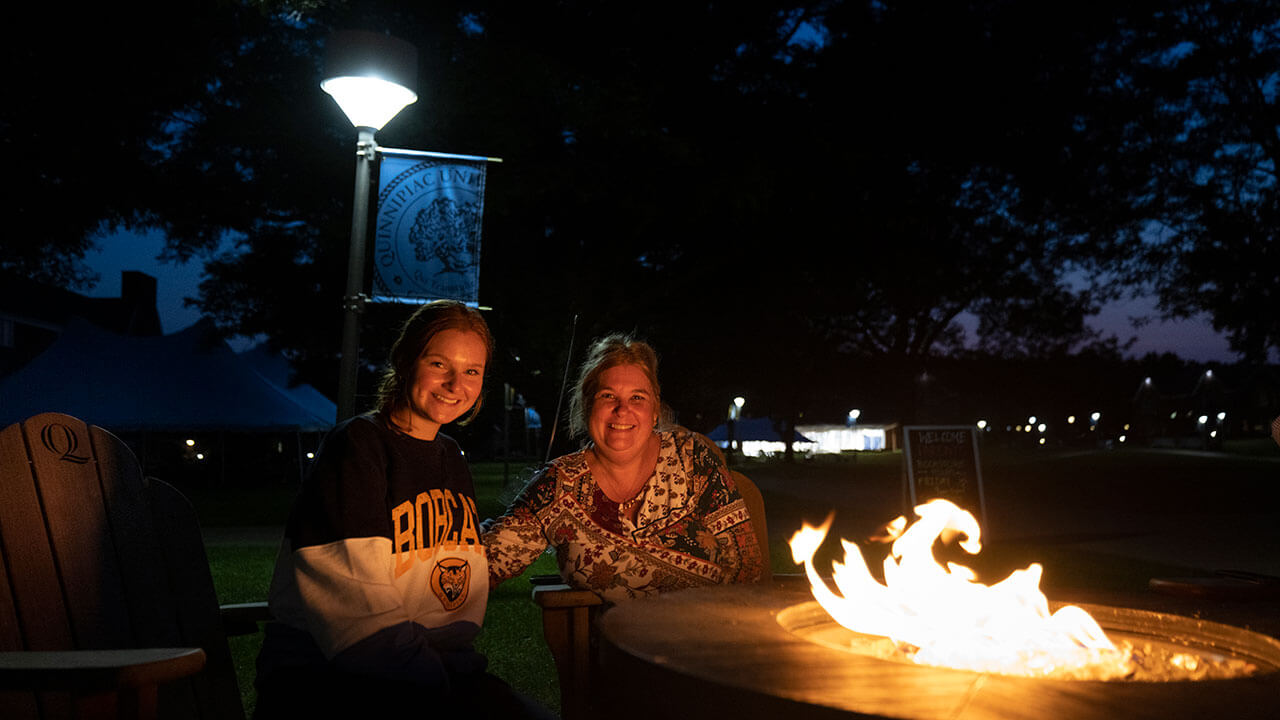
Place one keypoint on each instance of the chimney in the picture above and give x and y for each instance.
(138, 295)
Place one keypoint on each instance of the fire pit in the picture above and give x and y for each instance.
(724, 652)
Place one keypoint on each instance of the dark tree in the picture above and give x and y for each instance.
(768, 191)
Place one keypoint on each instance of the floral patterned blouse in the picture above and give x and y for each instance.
(692, 527)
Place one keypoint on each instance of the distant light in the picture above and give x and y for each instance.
(1016, 428)
(854, 414)
(1213, 433)
(1173, 415)
(982, 424)
(1202, 419)
(1208, 373)
(739, 401)
(1122, 438)
(1222, 416)
(191, 443)
(1071, 419)
(1095, 416)
(1029, 428)
(311, 456)
(1031, 420)
(1146, 381)
(1041, 441)
(1126, 427)
(1041, 427)
(199, 456)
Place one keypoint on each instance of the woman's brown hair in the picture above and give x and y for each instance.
(415, 334)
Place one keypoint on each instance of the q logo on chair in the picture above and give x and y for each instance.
(62, 441)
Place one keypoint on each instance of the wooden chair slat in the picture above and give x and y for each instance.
(40, 613)
(152, 613)
(71, 494)
(199, 620)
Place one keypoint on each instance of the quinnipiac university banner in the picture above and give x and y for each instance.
(427, 232)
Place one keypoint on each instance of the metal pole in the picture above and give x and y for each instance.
(353, 301)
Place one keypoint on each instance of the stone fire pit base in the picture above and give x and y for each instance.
(720, 652)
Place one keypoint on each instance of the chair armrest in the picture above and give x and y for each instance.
(566, 626)
(95, 671)
(563, 596)
(243, 618)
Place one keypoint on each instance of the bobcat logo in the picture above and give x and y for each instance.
(451, 581)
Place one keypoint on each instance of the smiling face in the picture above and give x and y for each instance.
(446, 383)
(624, 411)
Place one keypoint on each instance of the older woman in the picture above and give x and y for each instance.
(640, 509)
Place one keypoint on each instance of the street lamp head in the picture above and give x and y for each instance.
(370, 75)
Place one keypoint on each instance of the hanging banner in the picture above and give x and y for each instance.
(427, 236)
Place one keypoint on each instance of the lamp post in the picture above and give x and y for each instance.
(735, 412)
(370, 76)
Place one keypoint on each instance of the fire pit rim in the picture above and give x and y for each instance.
(725, 641)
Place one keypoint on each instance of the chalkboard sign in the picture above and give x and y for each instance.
(942, 462)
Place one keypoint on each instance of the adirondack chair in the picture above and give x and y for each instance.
(568, 615)
(107, 608)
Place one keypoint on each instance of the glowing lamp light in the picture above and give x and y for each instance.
(311, 456)
(1222, 416)
(1202, 419)
(739, 402)
(1096, 416)
(370, 76)
(369, 101)
(191, 443)
(982, 424)
(1071, 419)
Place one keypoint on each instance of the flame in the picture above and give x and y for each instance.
(945, 616)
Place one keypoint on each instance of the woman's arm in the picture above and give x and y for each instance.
(515, 540)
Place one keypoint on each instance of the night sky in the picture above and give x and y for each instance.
(1194, 341)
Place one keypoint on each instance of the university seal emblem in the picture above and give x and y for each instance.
(427, 242)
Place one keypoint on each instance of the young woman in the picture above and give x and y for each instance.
(381, 581)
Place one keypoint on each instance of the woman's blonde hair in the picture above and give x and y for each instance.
(607, 352)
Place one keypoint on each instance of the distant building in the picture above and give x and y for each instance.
(33, 315)
(837, 438)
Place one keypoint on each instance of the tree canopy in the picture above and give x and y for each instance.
(767, 190)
